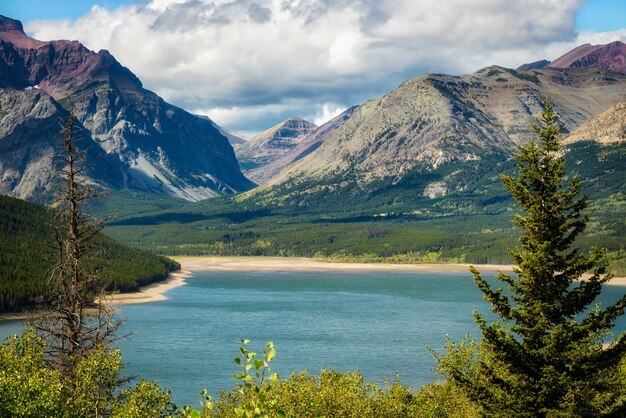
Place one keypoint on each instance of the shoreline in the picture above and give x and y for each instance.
(152, 292)
(156, 291)
(189, 265)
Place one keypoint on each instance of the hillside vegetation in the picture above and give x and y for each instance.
(26, 235)
(395, 224)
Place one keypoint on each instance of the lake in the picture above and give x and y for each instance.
(377, 322)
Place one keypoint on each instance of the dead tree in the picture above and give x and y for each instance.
(78, 320)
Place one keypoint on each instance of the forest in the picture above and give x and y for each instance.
(26, 256)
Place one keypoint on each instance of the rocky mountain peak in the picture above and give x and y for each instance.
(272, 144)
(12, 31)
(141, 142)
(7, 24)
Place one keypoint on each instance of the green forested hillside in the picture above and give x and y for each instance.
(396, 224)
(26, 234)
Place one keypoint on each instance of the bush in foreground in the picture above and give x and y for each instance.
(30, 388)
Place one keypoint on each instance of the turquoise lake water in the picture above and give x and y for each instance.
(377, 322)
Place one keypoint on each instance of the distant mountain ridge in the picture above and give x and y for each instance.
(140, 141)
(272, 144)
(306, 146)
(611, 56)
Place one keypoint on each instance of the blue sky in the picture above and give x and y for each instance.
(26, 10)
(602, 15)
(249, 64)
(597, 15)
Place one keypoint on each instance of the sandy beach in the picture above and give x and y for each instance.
(310, 264)
(153, 292)
(189, 265)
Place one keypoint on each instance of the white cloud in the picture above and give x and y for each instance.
(329, 111)
(248, 63)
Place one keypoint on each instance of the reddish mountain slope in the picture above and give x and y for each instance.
(607, 57)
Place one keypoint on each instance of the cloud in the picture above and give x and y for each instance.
(251, 63)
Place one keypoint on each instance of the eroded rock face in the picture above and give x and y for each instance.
(154, 146)
(27, 119)
(606, 128)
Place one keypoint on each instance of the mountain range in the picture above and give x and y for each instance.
(135, 140)
(434, 130)
(435, 136)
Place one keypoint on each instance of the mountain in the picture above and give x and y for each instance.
(534, 65)
(137, 141)
(26, 235)
(439, 135)
(306, 146)
(606, 128)
(234, 139)
(608, 57)
(272, 144)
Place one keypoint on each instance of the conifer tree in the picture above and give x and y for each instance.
(545, 356)
(79, 321)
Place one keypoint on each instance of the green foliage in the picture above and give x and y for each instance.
(332, 394)
(255, 387)
(25, 241)
(385, 223)
(254, 392)
(27, 387)
(545, 357)
(146, 399)
(30, 388)
(335, 394)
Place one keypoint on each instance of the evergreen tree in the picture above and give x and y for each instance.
(545, 357)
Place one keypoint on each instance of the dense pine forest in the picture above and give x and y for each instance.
(26, 234)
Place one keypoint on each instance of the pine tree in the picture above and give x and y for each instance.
(545, 357)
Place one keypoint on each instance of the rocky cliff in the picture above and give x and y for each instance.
(606, 128)
(148, 144)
